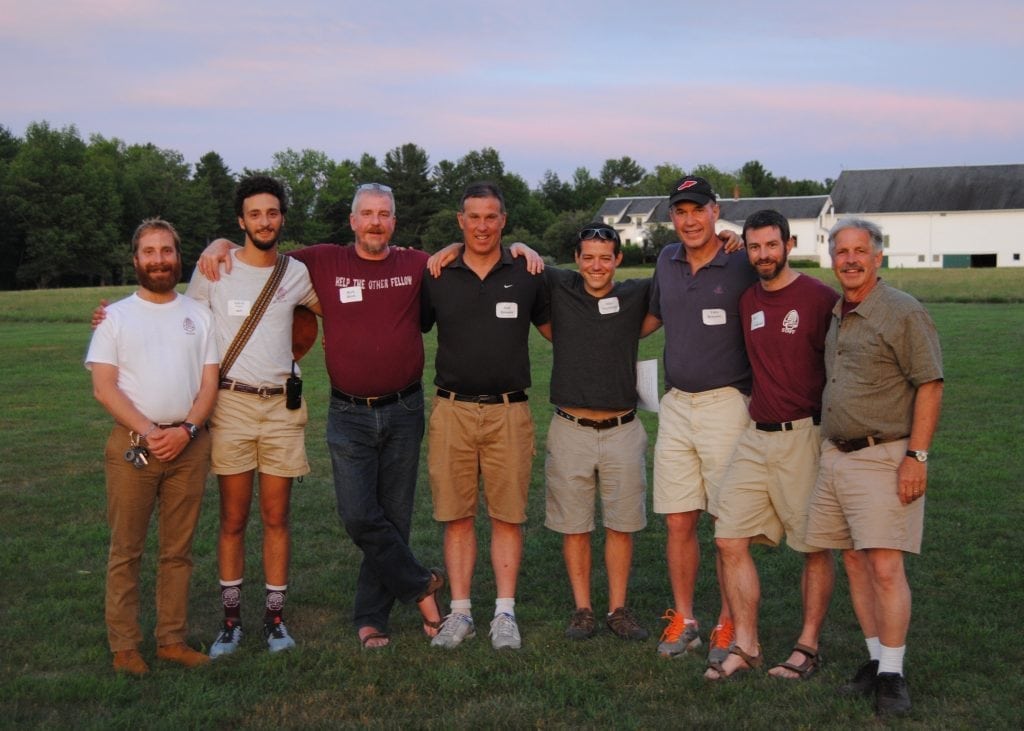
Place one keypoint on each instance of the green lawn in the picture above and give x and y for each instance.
(965, 648)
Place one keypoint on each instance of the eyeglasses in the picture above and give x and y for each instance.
(379, 187)
(607, 234)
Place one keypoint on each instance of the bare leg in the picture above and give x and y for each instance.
(506, 555)
(816, 585)
(892, 595)
(742, 588)
(275, 497)
(576, 550)
(862, 592)
(682, 553)
(618, 557)
(460, 555)
(235, 501)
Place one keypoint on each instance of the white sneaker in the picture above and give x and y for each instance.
(456, 628)
(228, 639)
(277, 636)
(505, 632)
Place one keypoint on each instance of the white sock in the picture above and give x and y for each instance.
(874, 647)
(462, 606)
(892, 659)
(505, 605)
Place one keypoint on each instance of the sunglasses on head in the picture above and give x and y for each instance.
(380, 187)
(606, 234)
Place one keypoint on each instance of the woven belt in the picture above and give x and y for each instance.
(852, 445)
(513, 397)
(598, 423)
(227, 384)
(373, 401)
(782, 426)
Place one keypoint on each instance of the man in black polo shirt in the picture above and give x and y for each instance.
(480, 423)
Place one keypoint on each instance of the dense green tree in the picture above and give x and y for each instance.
(335, 203)
(759, 181)
(212, 178)
(554, 194)
(660, 180)
(588, 192)
(367, 170)
(559, 238)
(724, 184)
(621, 175)
(304, 174)
(442, 229)
(407, 172)
(67, 210)
(12, 238)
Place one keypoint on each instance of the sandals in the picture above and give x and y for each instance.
(752, 663)
(810, 665)
(436, 583)
(364, 641)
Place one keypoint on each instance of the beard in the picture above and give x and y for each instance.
(263, 245)
(159, 279)
(776, 269)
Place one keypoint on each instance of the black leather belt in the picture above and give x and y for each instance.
(514, 397)
(782, 426)
(852, 445)
(373, 401)
(598, 423)
(228, 385)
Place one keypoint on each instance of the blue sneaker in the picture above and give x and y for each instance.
(228, 639)
(277, 636)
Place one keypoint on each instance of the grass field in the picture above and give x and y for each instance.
(965, 647)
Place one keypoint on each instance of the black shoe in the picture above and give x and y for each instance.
(892, 697)
(863, 683)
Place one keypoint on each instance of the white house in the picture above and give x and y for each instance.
(968, 216)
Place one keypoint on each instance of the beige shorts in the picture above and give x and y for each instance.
(252, 432)
(856, 503)
(697, 433)
(767, 489)
(467, 441)
(581, 458)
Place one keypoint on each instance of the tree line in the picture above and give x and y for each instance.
(68, 206)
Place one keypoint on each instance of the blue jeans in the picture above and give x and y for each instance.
(375, 453)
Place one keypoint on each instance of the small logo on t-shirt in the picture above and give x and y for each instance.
(790, 322)
(189, 326)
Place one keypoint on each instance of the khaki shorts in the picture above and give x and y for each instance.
(579, 458)
(856, 501)
(697, 433)
(467, 441)
(252, 432)
(767, 489)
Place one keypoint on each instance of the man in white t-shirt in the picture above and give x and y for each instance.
(253, 428)
(154, 368)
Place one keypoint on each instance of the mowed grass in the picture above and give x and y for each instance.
(965, 647)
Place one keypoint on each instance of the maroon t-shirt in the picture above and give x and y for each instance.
(373, 344)
(784, 332)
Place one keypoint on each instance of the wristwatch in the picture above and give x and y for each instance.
(193, 430)
(921, 455)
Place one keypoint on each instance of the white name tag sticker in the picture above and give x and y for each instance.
(608, 305)
(713, 316)
(757, 320)
(506, 310)
(239, 308)
(350, 294)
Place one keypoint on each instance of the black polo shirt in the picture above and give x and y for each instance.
(483, 326)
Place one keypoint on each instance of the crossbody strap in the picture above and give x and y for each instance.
(254, 316)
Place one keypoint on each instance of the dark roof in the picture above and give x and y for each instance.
(909, 190)
(792, 207)
(620, 207)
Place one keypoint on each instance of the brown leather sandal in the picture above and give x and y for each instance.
(752, 663)
(810, 665)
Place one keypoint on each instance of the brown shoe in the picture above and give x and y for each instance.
(182, 654)
(131, 662)
(623, 625)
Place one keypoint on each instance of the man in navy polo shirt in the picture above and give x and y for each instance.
(696, 294)
(480, 423)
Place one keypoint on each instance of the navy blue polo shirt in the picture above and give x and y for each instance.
(483, 326)
(700, 311)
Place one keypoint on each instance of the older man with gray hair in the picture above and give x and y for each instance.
(880, 409)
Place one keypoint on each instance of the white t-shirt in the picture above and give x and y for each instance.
(159, 351)
(266, 359)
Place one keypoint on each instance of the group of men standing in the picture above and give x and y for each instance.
(750, 348)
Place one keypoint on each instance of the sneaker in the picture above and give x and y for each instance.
(182, 654)
(276, 634)
(582, 626)
(456, 628)
(505, 632)
(623, 625)
(228, 639)
(130, 662)
(679, 637)
(722, 640)
(892, 697)
(863, 682)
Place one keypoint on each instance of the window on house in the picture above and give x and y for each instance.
(936, 258)
(1016, 257)
(885, 241)
(920, 257)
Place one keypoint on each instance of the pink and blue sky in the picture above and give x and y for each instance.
(807, 88)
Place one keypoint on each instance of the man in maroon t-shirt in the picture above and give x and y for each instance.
(766, 491)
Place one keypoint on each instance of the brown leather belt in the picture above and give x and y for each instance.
(852, 445)
(598, 423)
(373, 401)
(265, 391)
(514, 397)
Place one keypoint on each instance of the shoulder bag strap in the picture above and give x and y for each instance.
(255, 314)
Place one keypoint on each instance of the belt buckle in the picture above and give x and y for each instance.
(370, 399)
(262, 392)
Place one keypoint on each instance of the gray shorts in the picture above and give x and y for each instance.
(581, 461)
